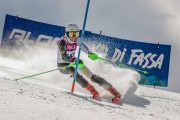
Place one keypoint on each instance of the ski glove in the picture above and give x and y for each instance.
(93, 56)
(80, 65)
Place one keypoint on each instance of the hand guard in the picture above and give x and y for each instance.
(93, 56)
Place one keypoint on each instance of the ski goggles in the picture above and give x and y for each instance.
(73, 34)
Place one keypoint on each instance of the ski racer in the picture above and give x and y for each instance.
(66, 61)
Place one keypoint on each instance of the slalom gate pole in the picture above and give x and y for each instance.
(125, 66)
(17, 79)
(80, 46)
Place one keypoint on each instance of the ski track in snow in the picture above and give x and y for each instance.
(27, 100)
(48, 97)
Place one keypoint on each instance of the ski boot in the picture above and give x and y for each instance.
(93, 91)
(117, 95)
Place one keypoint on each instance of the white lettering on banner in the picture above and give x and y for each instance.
(137, 57)
(146, 59)
(117, 55)
(141, 58)
(158, 62)
(26, 39)
(133, 55)
(46, 38)
(123, 53)
(17, 34)
(22, 35)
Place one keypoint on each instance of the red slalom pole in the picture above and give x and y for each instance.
(73, 86)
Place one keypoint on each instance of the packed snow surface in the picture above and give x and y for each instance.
(48, 96)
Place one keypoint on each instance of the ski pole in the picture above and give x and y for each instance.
(123, 65)
(80, 46)
(81, 65)
(34, 75)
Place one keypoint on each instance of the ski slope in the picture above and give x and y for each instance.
(48, 97)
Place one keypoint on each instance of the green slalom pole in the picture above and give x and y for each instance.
(17, 79)
(125, 66)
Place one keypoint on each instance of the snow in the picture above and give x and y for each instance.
(48, 96)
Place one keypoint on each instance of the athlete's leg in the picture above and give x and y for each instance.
(102, 82)
(79, 79)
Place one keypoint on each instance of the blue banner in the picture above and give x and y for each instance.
(19, 30)
(150, 60)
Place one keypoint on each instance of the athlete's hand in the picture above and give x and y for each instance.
(80, 65)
